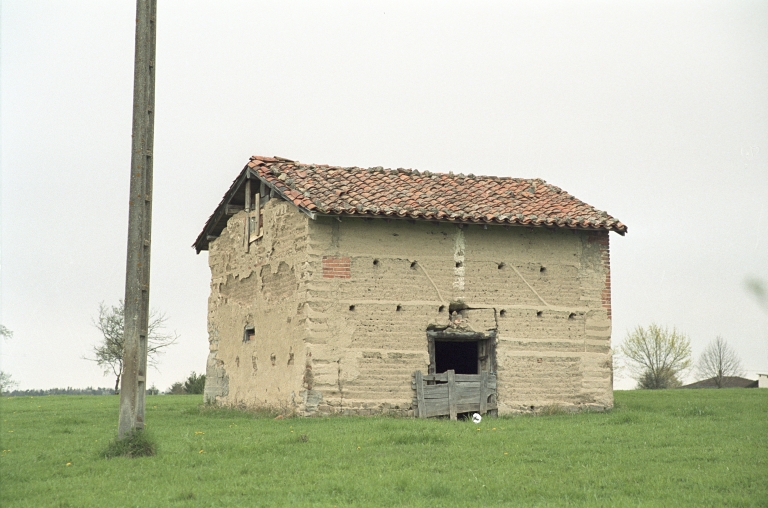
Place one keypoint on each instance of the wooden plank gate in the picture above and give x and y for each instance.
(450, 393)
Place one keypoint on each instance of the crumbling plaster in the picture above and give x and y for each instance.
(350, 300)
(259, 285)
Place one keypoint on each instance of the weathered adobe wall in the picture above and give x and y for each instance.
(263, 287)
(362, 349)
(554, 344)
(375, 286)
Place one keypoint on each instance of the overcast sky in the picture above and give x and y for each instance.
(654, 111)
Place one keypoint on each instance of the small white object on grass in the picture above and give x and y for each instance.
(476, 418)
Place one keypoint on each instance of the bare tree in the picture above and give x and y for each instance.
(657, 355)
(108, 354)
(5, 332)
(6, 383)
(719, 361)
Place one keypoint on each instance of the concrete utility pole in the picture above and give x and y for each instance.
(133, 385)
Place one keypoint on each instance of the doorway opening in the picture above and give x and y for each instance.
(462, 374)
(459, 356)
(463, 352)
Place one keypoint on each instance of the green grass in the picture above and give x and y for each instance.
(663, 448)
(136, 443)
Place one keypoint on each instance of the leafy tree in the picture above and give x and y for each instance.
(719, 361)
(195, 384)
(108, 354)
(657, 356)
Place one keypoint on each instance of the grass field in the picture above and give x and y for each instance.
(663, 448)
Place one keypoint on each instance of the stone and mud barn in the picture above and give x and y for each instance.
(369, 290)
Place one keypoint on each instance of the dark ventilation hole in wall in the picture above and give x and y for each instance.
(543, 269)
(375, 262)
(502, 265)
(454, 355)
(441, 308)
(539, 313)
(532, 408)
(413, 265)
(457, 307)
(351, 307)
(571, 315)
(503, 313)
(249, 334)
(459, 264)
(399, 308)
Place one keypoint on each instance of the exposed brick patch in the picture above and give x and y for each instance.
(603, 241)
(336, 267)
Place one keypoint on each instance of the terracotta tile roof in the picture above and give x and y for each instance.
(434, 196)
(411, 194)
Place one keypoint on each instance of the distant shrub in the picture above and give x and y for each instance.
(195, 384)
(661, 378)
(61, 391)
(176, 388)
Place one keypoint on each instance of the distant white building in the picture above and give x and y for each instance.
(762, 380)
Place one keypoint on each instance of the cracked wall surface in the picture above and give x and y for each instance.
(340, 310)
(259, 285)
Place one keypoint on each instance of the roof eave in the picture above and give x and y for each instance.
(620, 229)
(201, 243)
